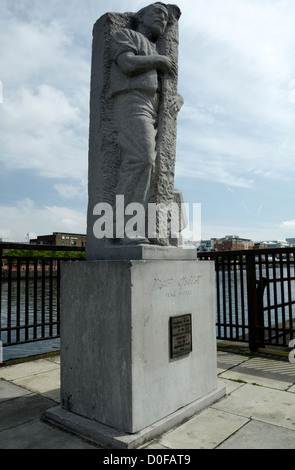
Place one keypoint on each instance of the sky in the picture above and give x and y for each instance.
(236, 129)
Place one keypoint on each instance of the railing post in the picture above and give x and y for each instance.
(1, 267)
(259, 317)
(255, 291)
(252, 301)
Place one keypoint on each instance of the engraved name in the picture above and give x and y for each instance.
(172, 288)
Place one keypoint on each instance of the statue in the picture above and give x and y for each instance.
(132, 149)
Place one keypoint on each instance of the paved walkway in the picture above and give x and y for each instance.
(258, 411)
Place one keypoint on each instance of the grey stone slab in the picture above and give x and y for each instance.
(54, 359)
(9, 391)
(148, 252)
(27, 369)
(20, 410)
(112, 438)
(229, 385)
(227, 360)
(205, 431)
(263, 371)
(259, 435)
(36, 434)
(46, 383)
(261, 403)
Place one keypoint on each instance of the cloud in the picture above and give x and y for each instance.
(28, 48)
(291, 95)
(25, 217)
(71, 191)
(234, 76)
(44, 117)
(288, 224)
(41, 130)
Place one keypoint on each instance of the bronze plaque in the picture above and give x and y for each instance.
(180, 335)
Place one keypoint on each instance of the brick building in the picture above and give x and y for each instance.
(233, 242)
(60, 239)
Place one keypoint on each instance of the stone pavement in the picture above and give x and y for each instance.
(258, 411)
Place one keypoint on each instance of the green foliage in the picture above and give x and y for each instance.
(18, 253)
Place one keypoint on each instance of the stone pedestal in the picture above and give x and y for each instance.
(122, 380)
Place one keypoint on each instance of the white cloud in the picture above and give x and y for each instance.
(27, 48)
(234, 76)
(41, 130)
(71, 191)
(25, 217)
(44, 118)
(291, 95)
(288, 224)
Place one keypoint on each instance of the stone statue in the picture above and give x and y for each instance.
(133, 112)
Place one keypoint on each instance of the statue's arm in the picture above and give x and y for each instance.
(132, 64)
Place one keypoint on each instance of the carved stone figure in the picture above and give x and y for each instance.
(134, 106)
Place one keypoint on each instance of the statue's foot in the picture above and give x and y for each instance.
(135, 240)
(161, 242)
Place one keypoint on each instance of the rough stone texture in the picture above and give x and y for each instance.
(164, 191)
(104, 152)
(115, 348)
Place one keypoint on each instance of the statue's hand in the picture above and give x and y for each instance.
(176, 104)
(166, 65)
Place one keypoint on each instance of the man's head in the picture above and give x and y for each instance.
(153, 19)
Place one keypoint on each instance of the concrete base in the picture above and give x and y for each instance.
(117, 368)
(141, 252)
(111, 438)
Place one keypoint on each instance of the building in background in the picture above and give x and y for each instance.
(233, 242)
(60, 239)
(275, 244)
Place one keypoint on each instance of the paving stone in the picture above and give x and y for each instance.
(39, 435)
(9, 391)
(21, 410)
(261, 403)
(47, 384)
(205, 431)
(27, 369)
(247, 417)
(228, 360)
(259, 435)
(267, 372)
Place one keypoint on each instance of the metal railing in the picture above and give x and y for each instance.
(255, 296)
(30, 291)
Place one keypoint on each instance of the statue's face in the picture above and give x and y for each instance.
(155, 19)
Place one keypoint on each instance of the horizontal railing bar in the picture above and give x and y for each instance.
(285, 304)
(254, 252)
(25, 327)
(33, 340)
